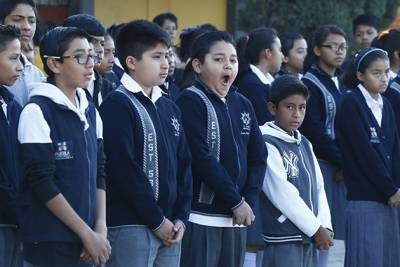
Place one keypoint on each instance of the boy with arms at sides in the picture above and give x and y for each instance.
(62, 202)
(148, 161)
(293, 206)
(23, 15)
(11, 68)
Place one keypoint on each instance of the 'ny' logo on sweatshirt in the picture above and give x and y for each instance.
(290, 162)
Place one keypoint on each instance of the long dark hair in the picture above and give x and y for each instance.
(316, 40)
(249, 47)
(360, 63)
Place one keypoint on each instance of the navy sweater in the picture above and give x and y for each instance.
(240, 171)
(258, 93)
(313, 126)
(9, 164)
(130, 197)
(392, 93)
(371, 154)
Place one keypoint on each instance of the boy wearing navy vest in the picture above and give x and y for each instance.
(11, 68)
(148, 161)
(293, 205)
(62, 203)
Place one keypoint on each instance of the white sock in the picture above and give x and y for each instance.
(250, 259)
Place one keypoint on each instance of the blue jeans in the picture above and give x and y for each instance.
(138, 246)
(10, 253)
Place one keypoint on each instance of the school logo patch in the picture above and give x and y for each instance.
(290, 161)
(246, 126)
(63, 150)
(373, 135)
(176, 125)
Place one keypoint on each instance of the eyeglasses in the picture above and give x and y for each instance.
(336, 48)
(82, 59)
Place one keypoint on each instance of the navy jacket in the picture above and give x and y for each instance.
(61, 151)
(240, 171)
(371, 154)
(9, 164)
(257, 92)
(130, 197)
(313, 126)
(392, 93)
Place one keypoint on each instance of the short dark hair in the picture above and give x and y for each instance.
(86, 22)
(366, 19)
(287, 41)
(56, 41)
(137, 37)
(161, 18)
(6, 7)
(285, 86)
(8, 34)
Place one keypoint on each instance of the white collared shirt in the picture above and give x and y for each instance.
(264, 78)
(376, 105)
(131, 85)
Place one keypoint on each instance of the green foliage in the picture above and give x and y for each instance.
(304, 16)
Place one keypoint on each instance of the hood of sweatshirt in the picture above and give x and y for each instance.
(274, 130)
(53, 93)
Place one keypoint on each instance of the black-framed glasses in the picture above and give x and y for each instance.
(336, 48)
(82, 59)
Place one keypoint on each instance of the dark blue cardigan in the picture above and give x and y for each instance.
(371, 154)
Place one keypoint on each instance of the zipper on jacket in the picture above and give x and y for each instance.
(89, 167)
(309, 180)
(233, 136)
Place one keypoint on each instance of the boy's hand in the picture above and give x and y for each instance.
(243, 215)
(101, 228)
(394, 201)
(323, 239)
(97, 246)
(179, 230)
(166, 231)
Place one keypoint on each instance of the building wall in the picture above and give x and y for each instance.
(189, 12)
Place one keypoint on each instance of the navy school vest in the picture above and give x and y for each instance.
(75, 153)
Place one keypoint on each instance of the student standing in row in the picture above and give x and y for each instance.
(294, 50)
(11, 68)
(260, 57)
(327, 52)
(370, 145)
(229, 158)
(149, 187)
(22, 14)
(62, 202)
(295, 211)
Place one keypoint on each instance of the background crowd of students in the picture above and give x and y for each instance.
(133, 151)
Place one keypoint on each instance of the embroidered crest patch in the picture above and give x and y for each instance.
(176, 125)
(63, 150)
(246, 126)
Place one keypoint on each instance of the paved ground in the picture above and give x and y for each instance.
(336, 254)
